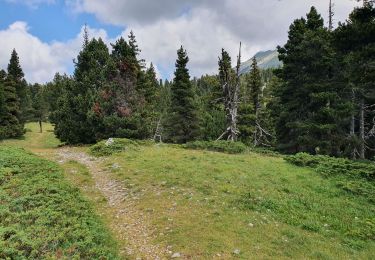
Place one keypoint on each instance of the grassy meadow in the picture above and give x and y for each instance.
(43, 216)
(202, 204)
(251, 206)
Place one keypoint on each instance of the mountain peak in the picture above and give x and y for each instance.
(266, 60)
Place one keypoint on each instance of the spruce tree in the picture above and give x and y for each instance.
(15, 74)
(75, 119)
(14, 67)
(250, 105)
(211, 110)
(309, 102)
(10, 126)
(150, 92)
(183, 125)
(119, 105)
(355, 46)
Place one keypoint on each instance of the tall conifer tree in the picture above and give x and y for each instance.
(75, 120)
(10, 126)
(308, 116)
(15, 74)
(355, 45)
(183, 125)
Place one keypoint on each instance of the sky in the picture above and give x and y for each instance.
(48, 34)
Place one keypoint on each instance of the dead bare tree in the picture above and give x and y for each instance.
(331, 14)
(231, 88)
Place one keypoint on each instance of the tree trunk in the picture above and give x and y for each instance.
(231, 99)
(331, 14)
(40, 126)
(362, 129)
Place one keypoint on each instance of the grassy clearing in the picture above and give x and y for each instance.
(35, 141)
(43, 216)
(206, 204)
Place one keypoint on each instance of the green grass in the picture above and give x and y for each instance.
(42, 216)
(217, 146)
(34, 140)
(207, 203)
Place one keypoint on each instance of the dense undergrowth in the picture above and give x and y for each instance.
(42, 216)
(116, 145)
(217, 146)
(355, 177)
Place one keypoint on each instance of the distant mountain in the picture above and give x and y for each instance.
(266, 60)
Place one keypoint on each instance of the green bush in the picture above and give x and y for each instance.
(116, 145)
(217, 146)
(265, 151)
(330, 166)
(355, 177)
(42, 216)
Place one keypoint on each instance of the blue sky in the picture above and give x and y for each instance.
(47, 34)
(51, 22)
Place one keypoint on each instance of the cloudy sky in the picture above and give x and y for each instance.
(47, 34)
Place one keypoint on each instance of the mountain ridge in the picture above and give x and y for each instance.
(266, 60)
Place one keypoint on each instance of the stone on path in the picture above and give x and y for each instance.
(176, 255)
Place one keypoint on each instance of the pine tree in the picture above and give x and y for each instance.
(15, 74)
(250, 106)
(10, 127)
(309, 101)
(355, 45)
(119, 104)
(211, 110)
(14, 67)
(183, 125)
(135, 50)
(2, 104)
(75, 119)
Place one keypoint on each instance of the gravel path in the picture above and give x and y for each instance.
(126, 221)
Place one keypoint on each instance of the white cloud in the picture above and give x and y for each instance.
(39, 60)
(159, 41)
(204, 26)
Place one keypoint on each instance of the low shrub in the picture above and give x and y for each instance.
(114, 145)
(217, 146)
(355, 177)
(42, 216)
(265, 151)
(330, 166)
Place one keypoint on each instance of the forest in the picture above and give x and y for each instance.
(320, 101)
(275, 163)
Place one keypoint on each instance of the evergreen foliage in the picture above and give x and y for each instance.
(75, 120)
(210, 105)
(182, 125)
(308, 99)
(10, 126)
(15, 74)
(39, 109)
(321, 100)
(355, 46)
(217, 146)
(250, 104)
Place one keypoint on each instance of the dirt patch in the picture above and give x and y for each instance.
(126, 222)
